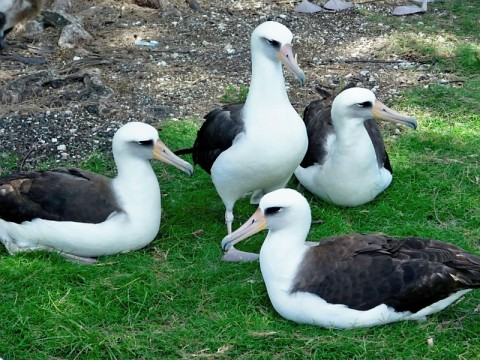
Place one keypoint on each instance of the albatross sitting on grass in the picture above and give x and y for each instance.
(81, 214)
(255, 146)
(346, 162)
(352, 280)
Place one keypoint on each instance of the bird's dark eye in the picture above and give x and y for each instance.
(365, 104)
(274, 43)
(272, 210)
(146, 142)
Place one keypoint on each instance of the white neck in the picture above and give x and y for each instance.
(267, 81)
(137, 186)
(351, 133)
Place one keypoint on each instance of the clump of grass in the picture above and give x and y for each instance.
(8, 162)
(235, 94)
(468, 57)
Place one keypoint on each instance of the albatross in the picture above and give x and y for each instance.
(354, 280)
(255, 146)
(83, 215)
(346, 162)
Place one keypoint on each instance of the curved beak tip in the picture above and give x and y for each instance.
(302, 78)
(189, 170)
(290, 62)
(225, 244)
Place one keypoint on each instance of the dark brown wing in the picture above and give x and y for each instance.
(364, 271)
(318, 121)
(377, 140)
(216, 135)
(60, 194)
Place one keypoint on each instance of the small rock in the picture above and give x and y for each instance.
(72, 35)
(61, 147)
(229, 49)
(405, 65)
(33, 28)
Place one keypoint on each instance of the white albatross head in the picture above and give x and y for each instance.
(273, 41)
(141, 141)
(279, 210)
(359, 104)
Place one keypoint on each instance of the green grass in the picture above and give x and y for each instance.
(176, 299)
(8, 162)
(234, 94)
(447, 36)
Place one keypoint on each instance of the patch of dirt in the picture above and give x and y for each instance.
(71, 105)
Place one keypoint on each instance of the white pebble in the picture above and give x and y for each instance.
(229, 49)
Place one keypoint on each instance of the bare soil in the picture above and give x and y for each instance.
(71, 105)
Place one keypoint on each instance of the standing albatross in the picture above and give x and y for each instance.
(255, 146)
(352, 280)
(81, 214)
(346, 162)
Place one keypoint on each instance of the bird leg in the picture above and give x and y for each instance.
(256, 196)
(229, 220)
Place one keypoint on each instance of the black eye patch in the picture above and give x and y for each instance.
(365, 104)
(272, 210)
(146, 142)
(274, 43)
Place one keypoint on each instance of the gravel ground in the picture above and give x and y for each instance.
(72, 105)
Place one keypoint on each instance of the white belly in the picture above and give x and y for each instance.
(263, 158)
